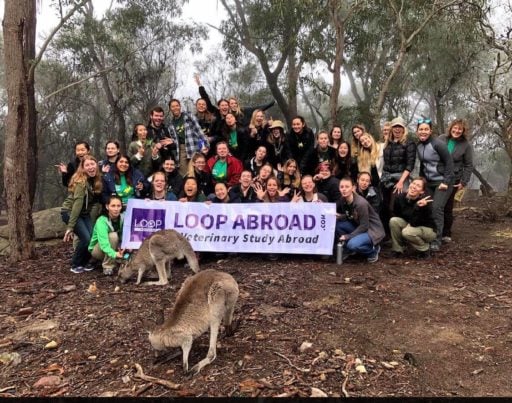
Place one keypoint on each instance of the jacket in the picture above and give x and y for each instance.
(299, 144)
(313, 157)
(415, 215)
(462, 156)
(102, 228)
(399, 157)
(436, 163)
(109, 184)
(363, 216)
(146, 163)
(157, 134)
(81, 201)
(234, 169)
(194, 136)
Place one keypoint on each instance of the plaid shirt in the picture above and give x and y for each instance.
(194, 136)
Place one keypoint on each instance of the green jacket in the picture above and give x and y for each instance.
(102, 228)
(81, 202)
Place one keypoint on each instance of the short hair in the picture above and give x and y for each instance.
(458, 122)
(174, 100)
(347, 178)
(157, 109)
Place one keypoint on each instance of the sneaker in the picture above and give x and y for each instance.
(434, 247)
(77, 269)
(375, 257)
(446, 239)
(423, 255)
(89, 267)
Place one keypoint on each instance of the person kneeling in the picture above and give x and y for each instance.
(358, 225)
(413, 222)
(107, 234)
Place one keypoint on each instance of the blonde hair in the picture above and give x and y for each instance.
(287, 181)
(401, 140)
(367, 158)
(238, 111)
(190, 169)
(80, 176)
(253, 118)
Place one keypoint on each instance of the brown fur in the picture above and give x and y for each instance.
(159, 250)
(204, 301)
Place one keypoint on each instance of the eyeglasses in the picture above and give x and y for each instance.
(423, 120)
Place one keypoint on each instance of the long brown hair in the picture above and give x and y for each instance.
(80, 176)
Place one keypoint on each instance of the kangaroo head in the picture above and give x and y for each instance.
(125, 271)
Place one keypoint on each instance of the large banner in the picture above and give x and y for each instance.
(305, 228)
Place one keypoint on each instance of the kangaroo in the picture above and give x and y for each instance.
(159, 249)
(204, 301)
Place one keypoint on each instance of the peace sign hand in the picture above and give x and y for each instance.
(423, 202)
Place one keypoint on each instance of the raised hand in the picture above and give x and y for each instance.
(423, 202)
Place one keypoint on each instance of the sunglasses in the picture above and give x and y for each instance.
(422, 120)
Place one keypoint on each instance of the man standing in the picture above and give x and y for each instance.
(190, 137)
(161, 134)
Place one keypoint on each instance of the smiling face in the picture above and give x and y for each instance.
(169, 166)
(223, 107)
(363, 182)
(265, 172)
(457, 131)
(199, 164)
(357, 132)
(157, 118)
(386, 130)
(81, 150)
(190, 188)
(398, 132)
(221, 191)
(246, 179)
(90, 168)
(233, 104)
(158, 182)
(423, 132)
(111, 149)
(416, 189)
(276, 132)
(222, 150)
(297, 125)
(336, 133)
(201, 105)
(366, 141)
(259, 118)
(175, 109)
(291, 168)
(123, 164)
(343, 150)
(307, 184)
(141, 132)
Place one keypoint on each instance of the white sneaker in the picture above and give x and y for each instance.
(446, 239)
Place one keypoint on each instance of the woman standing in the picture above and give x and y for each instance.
(300, 139)
(357, 131)
(142, 152)
(368, 158)
(344, 163)
(462, 155)
(111, 155)
(335, 137)
(82, 202)
(278, 150)
(399, 160)
(235, 136)
(82, 148)
(436, 165)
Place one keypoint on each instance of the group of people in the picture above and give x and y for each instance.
(229, 154)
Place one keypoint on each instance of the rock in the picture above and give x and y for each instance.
(10, 358)
(361, 369)
(305, 346)
(48, 224)
(46, 381)
(51, 345)
(315, 392)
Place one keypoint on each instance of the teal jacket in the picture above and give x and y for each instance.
(102, 228)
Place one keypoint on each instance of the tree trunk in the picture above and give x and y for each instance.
(292, 78)
(19, 37)
(339, 28)
(485, 187)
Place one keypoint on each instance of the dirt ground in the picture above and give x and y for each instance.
(396, 328)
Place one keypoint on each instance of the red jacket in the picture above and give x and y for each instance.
(235, 168)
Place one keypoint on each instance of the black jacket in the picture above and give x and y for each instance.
(399, 157)
(409, 210)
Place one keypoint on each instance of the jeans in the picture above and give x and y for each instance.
(440, 199)
(361, 243)
(83, 229)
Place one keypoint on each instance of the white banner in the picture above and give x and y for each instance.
(303, 228)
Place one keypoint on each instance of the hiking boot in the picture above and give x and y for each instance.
(375, 256)
(423, 255)
(434, 247)
(77, 269)
(446, 239)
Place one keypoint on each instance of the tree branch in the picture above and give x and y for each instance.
(63, 20)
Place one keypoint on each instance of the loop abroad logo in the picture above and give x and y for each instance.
(145, 222)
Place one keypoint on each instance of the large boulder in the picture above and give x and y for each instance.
(47, 225)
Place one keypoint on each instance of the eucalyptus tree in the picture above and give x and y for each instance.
(133, 48)
(279, 33)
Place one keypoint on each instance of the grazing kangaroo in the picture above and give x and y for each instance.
(159, 250)
(204, 301)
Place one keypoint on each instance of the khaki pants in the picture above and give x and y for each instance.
(418, 237)
(183, 160)
(107, 262)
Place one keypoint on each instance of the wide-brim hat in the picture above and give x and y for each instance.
(277, 124)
